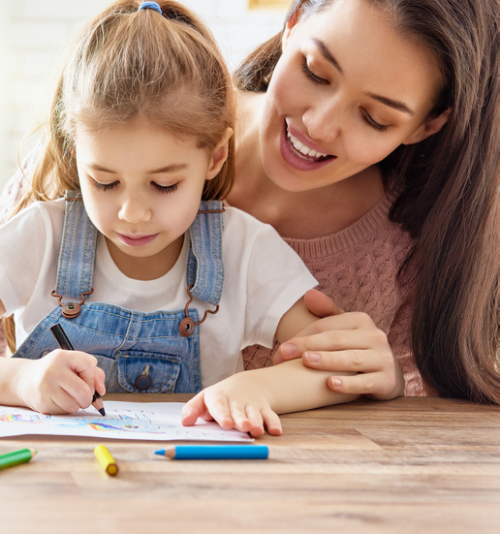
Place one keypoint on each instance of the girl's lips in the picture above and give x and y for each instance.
(297, 160)
(137, 241)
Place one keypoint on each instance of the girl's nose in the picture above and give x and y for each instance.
(134, 210)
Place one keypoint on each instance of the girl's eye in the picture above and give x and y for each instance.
(373, 123)
(104, 187)
(165, 188)
(315, 79)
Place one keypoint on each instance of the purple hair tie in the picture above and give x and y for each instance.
(151, 5)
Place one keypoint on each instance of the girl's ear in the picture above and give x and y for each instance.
(290, 25)
(428, 128)
(219, 155)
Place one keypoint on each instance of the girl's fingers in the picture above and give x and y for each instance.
(272, 422)
(100, 381)
(194, 409)
(240, 420)
(256, 421)
(63, 402)
(354, 360)
(77, 389)
(220, 411)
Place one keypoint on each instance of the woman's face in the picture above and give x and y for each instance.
(346, 92)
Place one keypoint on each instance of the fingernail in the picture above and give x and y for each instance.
(337, 383)
(288, 349)
(277, 359)
(313, 357)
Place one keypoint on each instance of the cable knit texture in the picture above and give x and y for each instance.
(357, 267)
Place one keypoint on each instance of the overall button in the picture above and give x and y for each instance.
(70, 309)
(187, 327)
(144, 381)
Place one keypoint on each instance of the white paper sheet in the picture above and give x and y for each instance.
(156, 421)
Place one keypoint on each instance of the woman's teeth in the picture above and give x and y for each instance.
(303, 149)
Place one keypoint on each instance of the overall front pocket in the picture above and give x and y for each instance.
(146, 372)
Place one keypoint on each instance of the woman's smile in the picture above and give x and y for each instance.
(301, 153)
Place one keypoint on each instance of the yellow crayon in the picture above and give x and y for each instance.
(106, 460)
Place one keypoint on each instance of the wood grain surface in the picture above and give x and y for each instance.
(412, 465)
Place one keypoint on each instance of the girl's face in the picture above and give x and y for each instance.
(142, 186)
(346, 92)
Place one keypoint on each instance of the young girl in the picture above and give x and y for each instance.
(156, 291)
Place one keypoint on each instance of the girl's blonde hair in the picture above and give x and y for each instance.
(127, 62)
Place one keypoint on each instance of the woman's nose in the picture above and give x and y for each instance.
(324, 121)
(134, 210)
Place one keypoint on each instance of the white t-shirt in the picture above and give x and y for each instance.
(263, 278)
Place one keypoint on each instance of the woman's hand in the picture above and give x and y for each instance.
(343, 342)
(238, 402)
(61, 382)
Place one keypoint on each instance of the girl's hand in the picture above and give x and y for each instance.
(237, 402)
(61, 382)
(343, 342)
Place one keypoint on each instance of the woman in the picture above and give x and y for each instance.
(358, 107)
(367, 137)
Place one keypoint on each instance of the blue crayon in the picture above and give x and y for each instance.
(216, 452)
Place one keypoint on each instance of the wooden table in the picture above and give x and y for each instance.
(410, 465)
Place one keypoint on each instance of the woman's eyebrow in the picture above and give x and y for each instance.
(396, 104)
(327, 55)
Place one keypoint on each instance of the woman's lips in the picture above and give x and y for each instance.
(296, 159)
(136, 241)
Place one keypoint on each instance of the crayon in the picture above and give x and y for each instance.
(215, 452)
(16, 457)
(65, 344)
(106, 460)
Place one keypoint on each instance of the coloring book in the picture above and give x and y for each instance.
(157, 421)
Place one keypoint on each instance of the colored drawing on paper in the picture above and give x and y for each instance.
(28, 418)
(123, 420)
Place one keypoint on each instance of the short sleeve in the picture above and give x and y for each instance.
(277, 279)
(28, 248)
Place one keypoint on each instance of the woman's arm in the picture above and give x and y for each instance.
(346, 342)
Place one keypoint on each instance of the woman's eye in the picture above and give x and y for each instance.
(315, 79)
(374, 124)
(165, 188)
(104, 187)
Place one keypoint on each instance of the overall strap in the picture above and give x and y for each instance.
(78, 249)
(205, 268)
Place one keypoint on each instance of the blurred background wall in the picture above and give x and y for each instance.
(34, 32)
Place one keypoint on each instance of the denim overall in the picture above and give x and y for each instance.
(139, 352)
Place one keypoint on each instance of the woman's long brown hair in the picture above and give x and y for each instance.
(449, 191)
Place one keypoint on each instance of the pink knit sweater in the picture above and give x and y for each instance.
(357, 268)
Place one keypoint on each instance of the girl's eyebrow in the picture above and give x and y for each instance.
(396, 104)
(168, 168)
